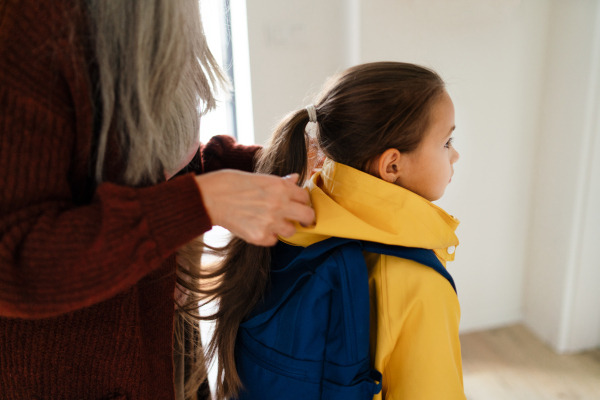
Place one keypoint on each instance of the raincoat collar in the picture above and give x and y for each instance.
(352, 204)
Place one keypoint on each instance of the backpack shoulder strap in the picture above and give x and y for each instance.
(288, 277)
(422, 256)
(291, 268)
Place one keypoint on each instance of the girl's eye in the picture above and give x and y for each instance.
(449, 142)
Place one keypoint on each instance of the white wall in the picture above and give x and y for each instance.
(491, 56)
(491, 53)
(561, 297)
(294, 46)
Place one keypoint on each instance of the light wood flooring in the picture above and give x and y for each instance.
(512, 364)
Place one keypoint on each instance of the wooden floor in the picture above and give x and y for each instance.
(511, 364)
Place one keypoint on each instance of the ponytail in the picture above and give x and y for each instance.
(243, 275)
(286, 152)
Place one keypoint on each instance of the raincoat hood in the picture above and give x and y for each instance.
(352, 204)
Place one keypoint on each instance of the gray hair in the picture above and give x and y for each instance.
(157, 77)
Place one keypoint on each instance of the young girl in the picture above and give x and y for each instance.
(385, 129)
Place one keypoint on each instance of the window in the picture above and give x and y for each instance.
(226, 29)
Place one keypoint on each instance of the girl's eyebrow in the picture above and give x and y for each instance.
(451, 130)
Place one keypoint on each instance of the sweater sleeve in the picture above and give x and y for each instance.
(222, 152)
(56, 257)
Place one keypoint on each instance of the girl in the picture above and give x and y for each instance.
(385, 129)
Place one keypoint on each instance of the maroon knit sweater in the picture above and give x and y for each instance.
(86, 290)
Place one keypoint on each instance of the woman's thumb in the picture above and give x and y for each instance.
(292, 177)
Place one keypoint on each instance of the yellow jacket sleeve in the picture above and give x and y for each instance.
(417, 347)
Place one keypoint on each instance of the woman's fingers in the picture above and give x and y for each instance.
(292, 178)
(296, 193)
(255, 207)
(295, 203)
(304, 215)
(299, 212)
(265, 239)
(285, 229)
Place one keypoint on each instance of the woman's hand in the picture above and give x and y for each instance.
(255, 207)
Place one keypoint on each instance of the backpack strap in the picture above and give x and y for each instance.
(422, 256)
(287, 279)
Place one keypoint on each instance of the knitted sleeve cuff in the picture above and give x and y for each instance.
(175, 212)
(223, 152)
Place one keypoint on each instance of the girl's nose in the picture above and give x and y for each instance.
(456, 156)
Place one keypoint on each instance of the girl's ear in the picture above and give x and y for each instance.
(387, 165)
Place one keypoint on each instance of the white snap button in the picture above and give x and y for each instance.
(451, 249)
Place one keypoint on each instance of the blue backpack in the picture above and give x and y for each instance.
(309, 338)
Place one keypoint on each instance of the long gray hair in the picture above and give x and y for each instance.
(156, 78)
(155, 71)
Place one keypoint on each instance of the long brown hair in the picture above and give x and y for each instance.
(362, 112)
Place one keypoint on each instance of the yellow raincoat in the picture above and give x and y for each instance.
(414, 310)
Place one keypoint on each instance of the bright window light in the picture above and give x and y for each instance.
(226, 29)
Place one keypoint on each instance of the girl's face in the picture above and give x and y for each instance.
(429, 169)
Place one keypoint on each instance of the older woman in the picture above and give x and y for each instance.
(100, 105)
